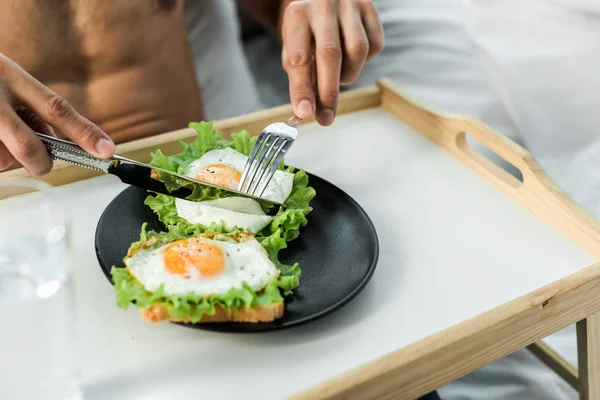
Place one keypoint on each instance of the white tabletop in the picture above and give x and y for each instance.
(452, 247)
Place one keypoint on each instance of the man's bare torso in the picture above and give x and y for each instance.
(123, 64)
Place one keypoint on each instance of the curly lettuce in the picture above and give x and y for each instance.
(191, 306)
(288, 219)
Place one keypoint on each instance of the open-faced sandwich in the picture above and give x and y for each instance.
(217, 260)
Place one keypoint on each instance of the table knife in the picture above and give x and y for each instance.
(138, 174)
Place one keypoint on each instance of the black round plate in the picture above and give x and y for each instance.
(337, 252)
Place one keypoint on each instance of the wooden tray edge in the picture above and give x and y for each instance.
(407, 373)
(64, 173)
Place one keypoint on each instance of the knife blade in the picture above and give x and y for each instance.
(142, 175)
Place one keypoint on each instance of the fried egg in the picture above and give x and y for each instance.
(203, 266)
(224, 167)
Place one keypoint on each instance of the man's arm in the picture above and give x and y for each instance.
(25, 105)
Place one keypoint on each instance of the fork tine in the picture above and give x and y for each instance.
(244, 182)
(266, 155)
(269, 158)
(264, 158)
(257, 163)
(280, 154)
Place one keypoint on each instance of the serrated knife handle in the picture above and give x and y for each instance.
(66, 151)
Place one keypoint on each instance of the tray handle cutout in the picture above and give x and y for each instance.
(450, 132)
(475, 148)
(497, 157)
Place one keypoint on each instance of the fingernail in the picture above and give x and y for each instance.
(105, 147)
(305, 108)
(327, 115)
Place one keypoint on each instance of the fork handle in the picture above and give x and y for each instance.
(294, 121)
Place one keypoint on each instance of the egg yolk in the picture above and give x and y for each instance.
(221, 175)
(184, 254)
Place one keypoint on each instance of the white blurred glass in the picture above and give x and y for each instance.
(36, 342)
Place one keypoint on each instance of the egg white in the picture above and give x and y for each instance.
(245, 261)
(240, 212)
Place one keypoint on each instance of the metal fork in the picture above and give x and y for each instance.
(266, 155)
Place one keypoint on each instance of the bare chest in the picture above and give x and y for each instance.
(78, 39)
(124, 64)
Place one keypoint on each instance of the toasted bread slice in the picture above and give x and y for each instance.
(158, 313)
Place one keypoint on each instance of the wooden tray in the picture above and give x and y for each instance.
(433, 361)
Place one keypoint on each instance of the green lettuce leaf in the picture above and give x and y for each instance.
(191, 306)
(289, 220)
